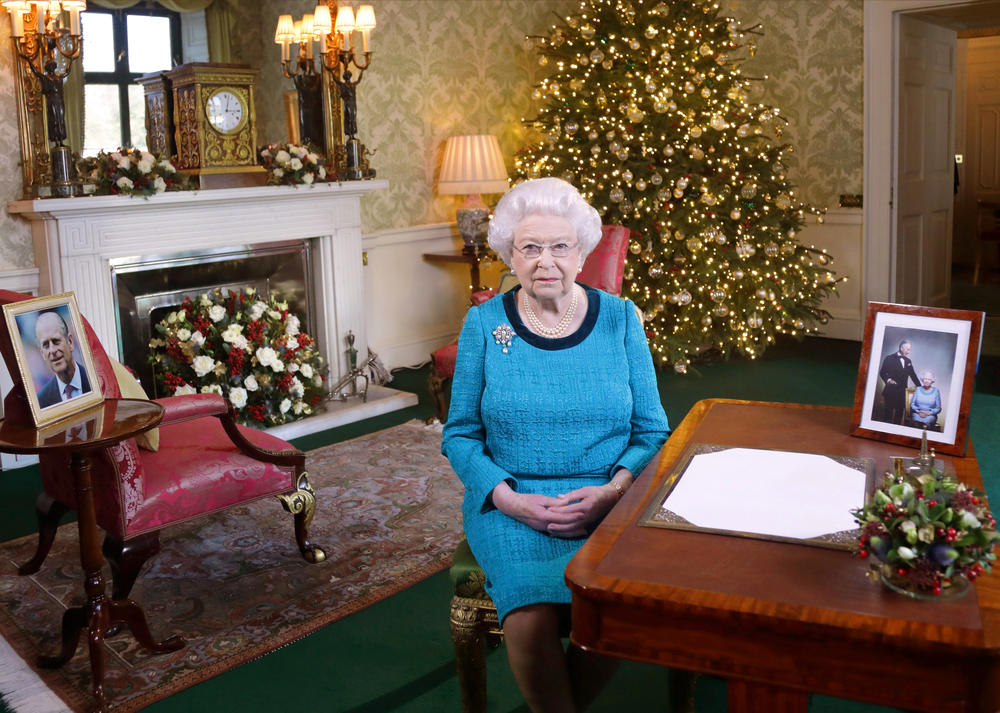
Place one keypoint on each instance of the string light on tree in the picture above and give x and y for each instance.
(646, 110)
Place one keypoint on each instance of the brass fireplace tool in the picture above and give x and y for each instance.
(347, 387)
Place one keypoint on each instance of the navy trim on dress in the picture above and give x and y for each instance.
(536, 340)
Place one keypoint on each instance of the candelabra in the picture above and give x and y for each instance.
(47, 47)
(338, 54)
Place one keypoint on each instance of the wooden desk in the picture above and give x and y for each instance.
(780, 620)
(80, 435)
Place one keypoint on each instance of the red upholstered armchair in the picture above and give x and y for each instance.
(603, 269)
(205, 463)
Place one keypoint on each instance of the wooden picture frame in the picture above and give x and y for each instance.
(291, 101)
(942, 344)
(46, 357)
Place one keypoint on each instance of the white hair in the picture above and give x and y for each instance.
(543, 196)
(927, 374)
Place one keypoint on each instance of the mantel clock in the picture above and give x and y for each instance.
(215, 125)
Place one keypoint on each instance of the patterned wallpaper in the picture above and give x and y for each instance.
(444, 67)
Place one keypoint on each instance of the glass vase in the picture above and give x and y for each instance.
(901, 585)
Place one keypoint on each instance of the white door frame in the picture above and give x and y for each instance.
(881, 28)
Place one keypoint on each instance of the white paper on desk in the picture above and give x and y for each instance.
(776, 493)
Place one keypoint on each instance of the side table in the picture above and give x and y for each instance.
(80, 435)
(472, 258)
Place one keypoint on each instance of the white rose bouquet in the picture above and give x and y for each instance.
(250, 350)
(292, 165)
(132, 172)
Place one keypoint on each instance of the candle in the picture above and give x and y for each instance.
(16, 24)
(74, 22)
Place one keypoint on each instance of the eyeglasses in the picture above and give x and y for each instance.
(532, 251)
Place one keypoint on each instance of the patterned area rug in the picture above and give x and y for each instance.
(234, 586)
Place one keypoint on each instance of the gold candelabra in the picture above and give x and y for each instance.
(47, 48)
(338, 53)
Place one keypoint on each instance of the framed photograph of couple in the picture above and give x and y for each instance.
(918, 366)
(54, 361)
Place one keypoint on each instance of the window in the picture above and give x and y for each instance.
(120, 46)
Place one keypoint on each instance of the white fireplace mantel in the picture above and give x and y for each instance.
(76, 238)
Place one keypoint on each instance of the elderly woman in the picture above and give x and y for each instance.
(925, 405)
(554, 411)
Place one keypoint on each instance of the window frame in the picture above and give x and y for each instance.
(121, 76)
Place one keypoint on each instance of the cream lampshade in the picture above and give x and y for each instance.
(472, 165)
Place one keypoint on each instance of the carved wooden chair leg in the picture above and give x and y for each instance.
(436, 385)
(469, 640)
(302, 504)
(127, 558)
(49, 512)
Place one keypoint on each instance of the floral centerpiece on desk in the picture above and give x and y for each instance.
(251, 351)
(132, 172)
(927, 534)
(292, 165)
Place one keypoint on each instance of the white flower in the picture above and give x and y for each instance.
(266, 356)
(307, 371)
(251, 383)
(317, 380)
(265, 152)
(204, 301)
(293, 367)
(212, 389)
(181, 315)
(185, 390)
(124, 183)
(295, 164)
(297, 388)
(203, 364)
(274, 314)
(322, 173)
(307, 410)
(145, 166)
(282, 156)
(216, 312)
(292, 325)
(277, 172)
(299, 151)
(147, 157)
(299, 405)
(257, 309)
(124, 162)
(198, 338)
(278, 366)
(159, 185)
(284, 405)
(292, 343)
(308, 178)
(232, 332)
(172, 318)
(312, 157)
(238, 397)
(240, 342)
(116, 156)
(184, 334)
(166, 166)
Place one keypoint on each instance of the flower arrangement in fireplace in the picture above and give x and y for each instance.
(292, 165)
(132, 172)
(249, 350)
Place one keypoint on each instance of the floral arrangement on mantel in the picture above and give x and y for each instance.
(132, 172)
(292, 165)
(927, 533)
(251, 351)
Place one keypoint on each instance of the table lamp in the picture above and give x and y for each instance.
(472, 165)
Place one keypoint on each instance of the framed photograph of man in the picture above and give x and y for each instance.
(53, 358)
(918, 365)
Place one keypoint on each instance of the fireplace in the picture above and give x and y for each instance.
(88, 245)
(147, 287)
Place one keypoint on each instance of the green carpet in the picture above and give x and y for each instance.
(396, 657)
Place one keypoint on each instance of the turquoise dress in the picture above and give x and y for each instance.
(547, 416)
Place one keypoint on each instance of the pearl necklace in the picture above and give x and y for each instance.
(551, 332)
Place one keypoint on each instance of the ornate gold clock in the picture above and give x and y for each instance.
(215, 126)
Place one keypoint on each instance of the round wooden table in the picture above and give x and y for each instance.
(79, 436)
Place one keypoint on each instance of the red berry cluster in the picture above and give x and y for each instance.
(202, 324)
(235, 359)
(174, 349)
(172, 381)
(255, 332)
(257, 412)
(285, 382)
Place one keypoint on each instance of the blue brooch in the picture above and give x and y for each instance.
(504, 335)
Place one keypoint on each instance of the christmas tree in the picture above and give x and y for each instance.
(646, 111)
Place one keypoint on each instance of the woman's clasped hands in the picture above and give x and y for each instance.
(567, 515)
